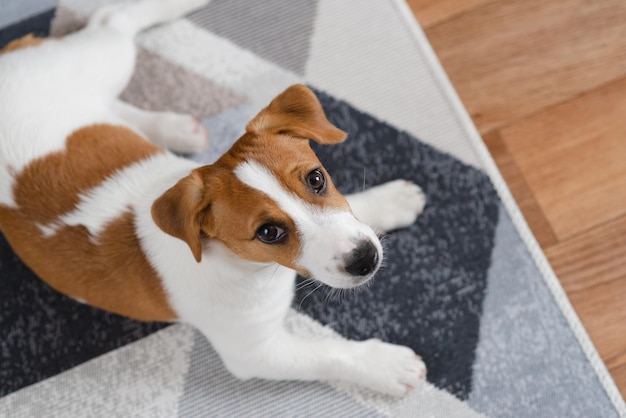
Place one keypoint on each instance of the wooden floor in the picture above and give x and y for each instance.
(545, 83)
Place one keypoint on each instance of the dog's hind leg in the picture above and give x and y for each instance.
(178, 132)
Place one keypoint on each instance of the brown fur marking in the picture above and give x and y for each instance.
(51, 186)
(23, 42)
(113, 274)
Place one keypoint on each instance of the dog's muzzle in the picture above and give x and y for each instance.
(363, 260)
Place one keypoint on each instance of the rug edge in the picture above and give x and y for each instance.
(491, 169)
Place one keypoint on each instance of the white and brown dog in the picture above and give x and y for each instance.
(118, 222)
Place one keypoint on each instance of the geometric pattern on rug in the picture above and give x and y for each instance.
(43, 332)
(210, 394)
(160, 85)
(281, 28)
(429, 294)
(358, 52)
(14, 11)
(117, 384)
(521, 329)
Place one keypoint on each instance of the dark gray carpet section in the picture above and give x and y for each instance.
(208, 393)
(277, 30)
(429, 293)
(38, 25)
(43, 333)
(522, 330)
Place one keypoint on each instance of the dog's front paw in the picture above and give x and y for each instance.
(390, 369)
(390, 206)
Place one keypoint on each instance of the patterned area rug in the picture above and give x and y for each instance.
(466, 286)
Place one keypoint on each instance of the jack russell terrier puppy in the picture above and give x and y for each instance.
(111, 219)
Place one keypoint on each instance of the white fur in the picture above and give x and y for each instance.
(118, 193)
(240, 306)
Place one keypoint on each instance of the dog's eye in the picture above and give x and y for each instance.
(316, 181)
(270, 234)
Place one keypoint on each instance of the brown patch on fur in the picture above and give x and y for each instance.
(23, 42)
(51, 186)
(213, 202)
(113, 274)
(296, 112)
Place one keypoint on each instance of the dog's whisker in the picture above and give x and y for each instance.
(363, 180)
(309, 294)
(305, 283)
(270, 278)
(329, 296)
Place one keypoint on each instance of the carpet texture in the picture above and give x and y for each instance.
(466, 286)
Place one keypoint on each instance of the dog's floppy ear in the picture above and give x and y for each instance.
(178, 212)
(297, 112)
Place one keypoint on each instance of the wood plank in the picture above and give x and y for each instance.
(519, 189)
(431, 12)
(510, 58)
(595, 257)
(572, 157)
(602, 311)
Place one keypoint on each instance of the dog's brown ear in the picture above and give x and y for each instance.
(297, 112)
(178, 212)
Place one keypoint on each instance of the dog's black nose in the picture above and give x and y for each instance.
(363, 260)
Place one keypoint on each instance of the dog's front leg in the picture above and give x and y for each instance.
(389, 206)
(383, 367)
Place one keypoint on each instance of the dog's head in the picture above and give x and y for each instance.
(268, 199)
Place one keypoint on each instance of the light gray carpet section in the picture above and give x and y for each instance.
(528, 362)
(224, 129)
(210, 390)
(12, 11)
(219, 60)
(277, 30)
(142, 379)
(359, 54)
